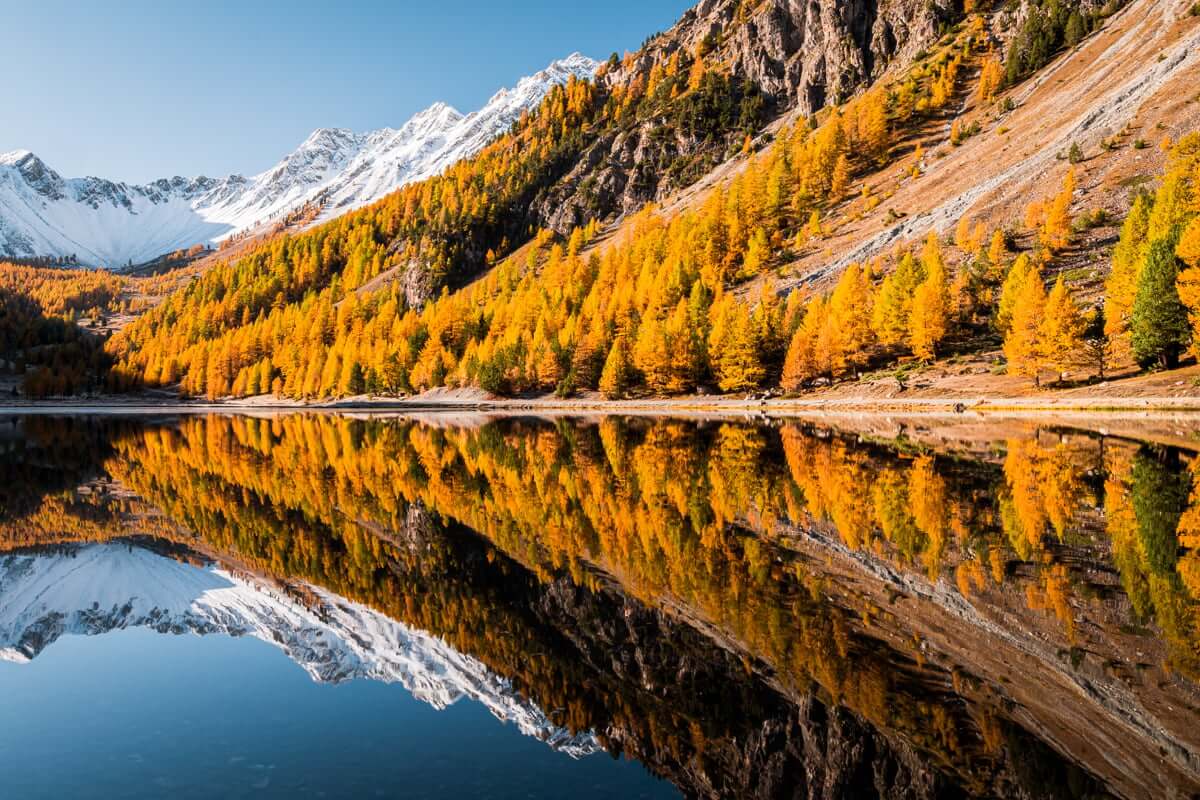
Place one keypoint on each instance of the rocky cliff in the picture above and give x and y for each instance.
(778, 56)
(802, 54)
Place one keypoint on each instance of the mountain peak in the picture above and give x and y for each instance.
(438, 110)
(14, 157)
(336, 167)
(329, 137)
(35, 173)
(576, 63)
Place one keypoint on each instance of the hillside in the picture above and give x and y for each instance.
(762, 197)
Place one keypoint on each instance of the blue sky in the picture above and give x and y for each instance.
(135, 90)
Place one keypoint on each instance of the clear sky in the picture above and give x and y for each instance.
(141, 89)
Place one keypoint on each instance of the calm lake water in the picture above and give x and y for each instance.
(320, 606)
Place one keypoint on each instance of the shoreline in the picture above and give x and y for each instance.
(691, 405)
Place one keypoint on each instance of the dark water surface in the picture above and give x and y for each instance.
(320, 606)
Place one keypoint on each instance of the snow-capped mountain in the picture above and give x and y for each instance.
(108, 223)
(92, 589)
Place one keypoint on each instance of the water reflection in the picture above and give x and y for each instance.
(748, 610)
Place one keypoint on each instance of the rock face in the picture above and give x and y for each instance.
(792, 54)
(771, 745)
(803, 53)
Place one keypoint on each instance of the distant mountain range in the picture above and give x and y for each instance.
(110, 223)
(92, 589)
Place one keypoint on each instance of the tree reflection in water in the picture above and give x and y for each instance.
(750, 610)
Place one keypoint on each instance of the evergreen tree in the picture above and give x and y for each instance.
(1076, 28)
(1095, 342)
(1159, 324)
(1160, 490)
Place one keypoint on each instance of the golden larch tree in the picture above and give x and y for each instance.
(1060, 336)
(930, 312)
(1021, 345)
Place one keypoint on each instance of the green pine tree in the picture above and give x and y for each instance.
(1161, 486)
(1076, 29)
(1160, 322)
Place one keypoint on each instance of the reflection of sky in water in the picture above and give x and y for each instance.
(138, 714)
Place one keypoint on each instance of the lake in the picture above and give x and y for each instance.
(313, 605)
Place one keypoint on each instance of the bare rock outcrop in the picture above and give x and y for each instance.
(781, 55)
(802, 53)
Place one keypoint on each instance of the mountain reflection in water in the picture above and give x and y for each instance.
(749, 610)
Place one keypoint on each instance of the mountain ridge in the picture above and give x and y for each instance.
(112, 223)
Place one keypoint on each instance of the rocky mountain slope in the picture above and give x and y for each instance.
(110, 223)
(784, 55)
(94, 589)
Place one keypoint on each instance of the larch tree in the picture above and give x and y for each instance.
(991, 77)
(840, 179)
(739, 365)
(1010, 293)
(876, 137)
(997, 252)
(1188, 282)
(1120, 289)
(893, 302)
(799, 365)
(1060, 336)
(1056, 226)
(617, 376)
(757, 253)
(652, 354)
(1022, 342)
(850, 313)
(1188, 249)
(684, 356)
(930, 312)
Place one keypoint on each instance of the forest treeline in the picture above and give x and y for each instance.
(441, 231)
(687, 302)
(52, 321)
(41, 342)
